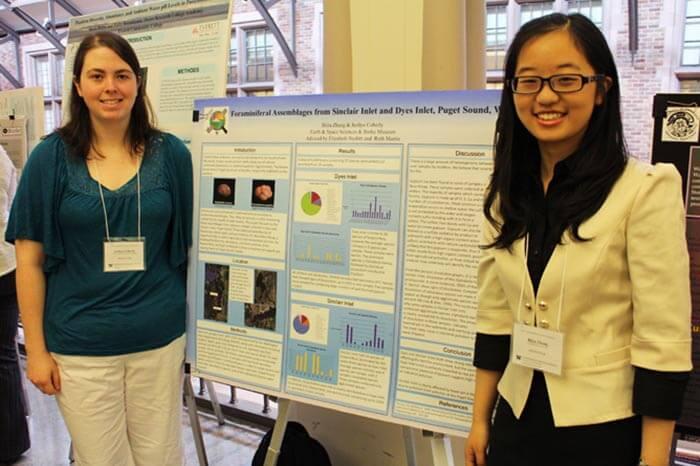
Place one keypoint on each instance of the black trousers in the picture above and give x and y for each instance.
(533, 440)
(14, 435)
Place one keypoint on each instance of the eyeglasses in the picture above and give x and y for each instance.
(561, 83)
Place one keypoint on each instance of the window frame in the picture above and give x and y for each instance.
(243, 87)
(513, 23)
(683, 39)
(541, 4)
(682, 72)
(498, 49)
(54, 101)
(604, 21)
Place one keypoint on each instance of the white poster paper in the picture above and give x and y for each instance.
(337, 247)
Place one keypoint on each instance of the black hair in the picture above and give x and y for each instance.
(600, 159)
(78, 133)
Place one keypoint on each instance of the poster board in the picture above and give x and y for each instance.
(13, 139)
(29, 104)
(182, 46)
(676, 141)
(335, 249)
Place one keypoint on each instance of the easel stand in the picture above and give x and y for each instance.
(194, 420)
(440, 446)
(275, 446)
(442, 449)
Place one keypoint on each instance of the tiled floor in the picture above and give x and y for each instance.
(230, 445)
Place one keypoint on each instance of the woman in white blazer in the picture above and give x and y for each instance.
(583, 328)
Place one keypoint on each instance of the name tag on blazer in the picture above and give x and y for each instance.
(537, 348)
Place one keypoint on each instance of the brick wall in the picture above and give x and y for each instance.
(7, 58)
(308, 42)
(641, 74)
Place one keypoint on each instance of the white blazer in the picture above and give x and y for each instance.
(625, 299)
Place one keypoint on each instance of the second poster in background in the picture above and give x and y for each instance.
(183, 48)
(336, 242)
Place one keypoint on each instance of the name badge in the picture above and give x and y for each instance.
(125, 255)
(537, 348)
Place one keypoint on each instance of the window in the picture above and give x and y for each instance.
(259, 55)
(251, 65)
(233, 59)
(496, 36)
(259, 92)
(503, 17)
(45, 70)
(691, 34)
(591, 9)
(530, 11)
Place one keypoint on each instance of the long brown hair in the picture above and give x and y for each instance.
(78, 132)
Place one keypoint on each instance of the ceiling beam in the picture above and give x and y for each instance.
(275, 30)
(5, 72)
(69, 7)
(38, 27)
(10, 32)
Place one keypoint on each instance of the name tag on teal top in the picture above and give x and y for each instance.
(124, 254)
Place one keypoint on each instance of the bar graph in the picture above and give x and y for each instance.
(309, 364)
(363, 338)
(372, 212)
(309, 254)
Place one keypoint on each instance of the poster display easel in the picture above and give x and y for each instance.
(335, 250)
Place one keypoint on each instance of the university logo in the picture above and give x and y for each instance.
(680, 124)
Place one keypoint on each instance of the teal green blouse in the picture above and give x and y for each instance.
(88, 311)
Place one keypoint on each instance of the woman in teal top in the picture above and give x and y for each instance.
(102, 225)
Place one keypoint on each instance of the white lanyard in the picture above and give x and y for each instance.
(138, 199)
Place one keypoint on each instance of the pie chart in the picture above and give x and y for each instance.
(311, 203)
(301, 324)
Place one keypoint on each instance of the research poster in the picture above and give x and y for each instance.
(27, 103)
(691, 402)
(336, 248)
(182, 46)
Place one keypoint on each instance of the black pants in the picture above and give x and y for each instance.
(533, 440)
(14, 435)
